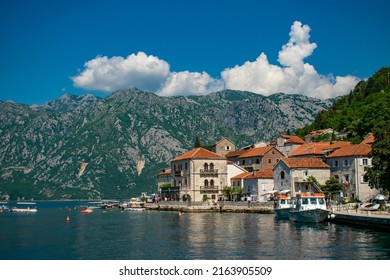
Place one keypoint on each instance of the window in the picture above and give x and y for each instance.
(185, 166)
(269, 160)
(365, 161)
(336, 163)
(206, 166)
(257, 161)
(211, 183)
(282, 175)
(227, 148)
(364, 179)
(211, 166)
(346, 162)
(305, 201)
(206, 183)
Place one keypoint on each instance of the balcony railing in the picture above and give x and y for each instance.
(209, 172)
(208, 189)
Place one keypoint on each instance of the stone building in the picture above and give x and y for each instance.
(348, 165)
(199, 175)
(293, 173)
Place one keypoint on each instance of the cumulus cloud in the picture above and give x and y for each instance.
(109, 74)
(150, 73)
(190, 83)
(294, 76)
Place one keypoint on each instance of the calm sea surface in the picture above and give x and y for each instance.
(126, 235)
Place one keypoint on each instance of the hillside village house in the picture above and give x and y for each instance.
(311, 137)
(348, 165)
(223, 146)
(256, 158)
(287, 144)
(292, 174)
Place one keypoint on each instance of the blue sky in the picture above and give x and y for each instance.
(173, 47)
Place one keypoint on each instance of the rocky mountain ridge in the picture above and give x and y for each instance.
(90, 147)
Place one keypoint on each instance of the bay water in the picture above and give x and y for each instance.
(112, 234)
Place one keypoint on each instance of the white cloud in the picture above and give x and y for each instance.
(190, 83)
(110, 74)
(293, 76)
(150, 73)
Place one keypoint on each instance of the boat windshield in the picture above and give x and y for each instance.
(313, 200)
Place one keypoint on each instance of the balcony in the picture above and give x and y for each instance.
(208, 173)
(208, 189)
(178, 173)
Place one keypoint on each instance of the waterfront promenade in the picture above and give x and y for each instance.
(342, 215)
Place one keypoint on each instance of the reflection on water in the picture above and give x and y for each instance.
(112, 234)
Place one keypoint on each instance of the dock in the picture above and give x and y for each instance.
(376, 219)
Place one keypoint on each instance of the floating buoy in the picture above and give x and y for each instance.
(67, 219)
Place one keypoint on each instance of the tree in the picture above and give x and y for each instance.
(197, 142)
(332, 186)
(379, 174)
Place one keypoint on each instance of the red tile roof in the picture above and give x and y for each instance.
(166, 172)
(293, 139)
(256, 152)
(235, 153)
(261, 174)
(242, 175)
(318, 148)
(353, 150)
(370, 139)
(305, 163)
(199, 153)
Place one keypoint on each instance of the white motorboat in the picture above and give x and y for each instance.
(283, 204)
(24, 207)
(309, 207)
(134, 205)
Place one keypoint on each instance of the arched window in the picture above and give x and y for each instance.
(211, 183)
(206, 183)
(206, 166)
(211, 166)
(282, 175)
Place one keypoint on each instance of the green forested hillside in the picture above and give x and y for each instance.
(366, 109)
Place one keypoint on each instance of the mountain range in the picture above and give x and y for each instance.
(86, 147)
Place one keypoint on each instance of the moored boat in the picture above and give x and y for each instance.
(309, 207)
(134, 205)
(3, 207)
(87, 210)
(283, 204)
(24, 207)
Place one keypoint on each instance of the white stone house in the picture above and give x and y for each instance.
(292, 174)
(348, 165)
(258, 183)
(199, 175)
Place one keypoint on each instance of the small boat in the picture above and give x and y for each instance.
(24, 207)
(3, 207)
(309, 207)
(134, 205)
(87, 210)
(283, 204)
